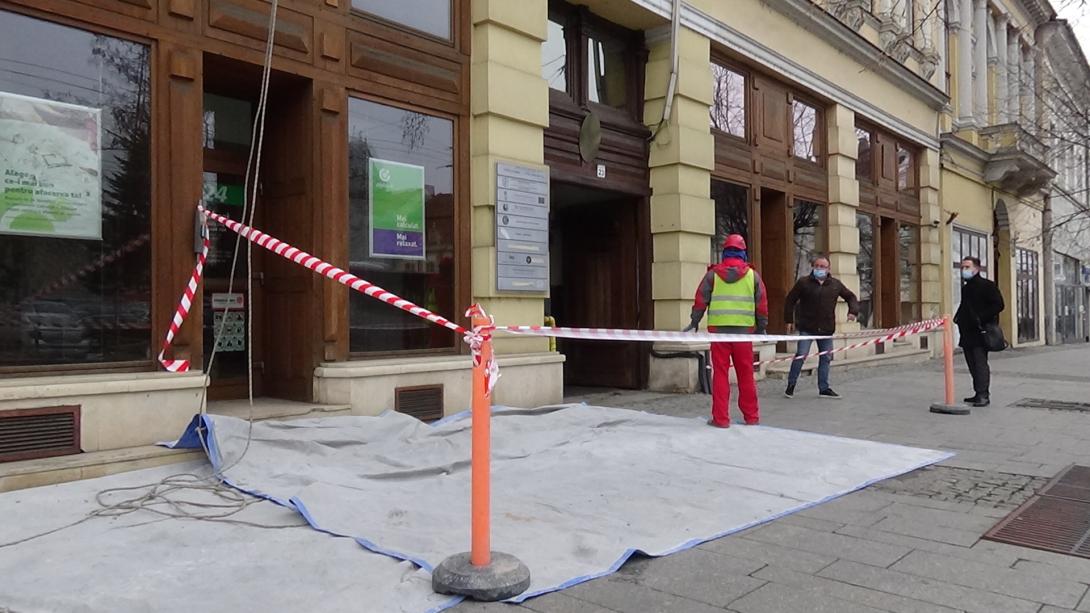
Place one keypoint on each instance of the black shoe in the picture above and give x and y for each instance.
(789, 392)
(971, 399)
(829, 394)
(982, 401)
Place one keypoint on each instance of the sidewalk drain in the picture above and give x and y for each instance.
(1058, 405)
(1057, 519)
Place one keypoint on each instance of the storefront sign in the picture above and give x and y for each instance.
(522, 228)
(50, 168)
(397, 209)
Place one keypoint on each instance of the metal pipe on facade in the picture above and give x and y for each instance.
(671, 87)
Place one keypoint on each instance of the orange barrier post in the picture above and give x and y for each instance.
(481, 573)
(480, 509)
(948, 407)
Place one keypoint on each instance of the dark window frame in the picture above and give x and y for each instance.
(455, 40)
(461, 219)
(820, 136)
(157, 217)
(747, 83)
(579, 26)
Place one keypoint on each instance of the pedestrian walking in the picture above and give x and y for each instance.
(811, 308)
(981, 304)
(734, 297)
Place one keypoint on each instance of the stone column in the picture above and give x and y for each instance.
(1002, 89)
(965, 63)
(843, 246)
(506, 58)
(931, 259)
(1014, 78)
(682, 157)
(980, 61)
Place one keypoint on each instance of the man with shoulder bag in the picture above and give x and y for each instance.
(978, 322)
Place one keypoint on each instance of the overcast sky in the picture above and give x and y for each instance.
(1077, 12)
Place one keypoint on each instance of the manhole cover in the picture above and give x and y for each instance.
(1057, 519)
(1058, 405)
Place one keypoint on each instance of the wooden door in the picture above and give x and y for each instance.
(291, 291)
(776, 253)
(601, 267)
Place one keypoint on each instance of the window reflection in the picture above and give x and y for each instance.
(809, 237)
(1028, 296)
(606, 82)
(864, 266)
(554, 57)
(864, 163)
(74, 297)
(728, 110)
(910, 273)
(906, 168)
(428, 16)
(420, 142)
(731, 214)
(804, 130)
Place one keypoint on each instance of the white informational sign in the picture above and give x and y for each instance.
(522, 228)
(50, 168)
(226, 301)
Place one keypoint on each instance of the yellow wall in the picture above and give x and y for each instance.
(766, 25)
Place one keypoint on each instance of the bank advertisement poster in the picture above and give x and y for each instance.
(50, 168)
(397, 209)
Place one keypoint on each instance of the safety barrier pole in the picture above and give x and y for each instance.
(481, 512)
(481, 574)
(948, 407)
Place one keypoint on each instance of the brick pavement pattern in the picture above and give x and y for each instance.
(906, 545)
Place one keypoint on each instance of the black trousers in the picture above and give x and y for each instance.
(977, 360)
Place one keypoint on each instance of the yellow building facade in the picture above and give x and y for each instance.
(808, 128)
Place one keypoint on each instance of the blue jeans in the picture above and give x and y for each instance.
(824, 362)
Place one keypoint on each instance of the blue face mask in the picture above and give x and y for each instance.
(967, 273)
(820, 273)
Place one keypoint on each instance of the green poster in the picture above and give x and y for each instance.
(50, 168)
(397, 209)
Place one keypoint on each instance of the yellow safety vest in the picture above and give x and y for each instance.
(734, 304)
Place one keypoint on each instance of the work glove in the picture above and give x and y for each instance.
(692, 327)
(760, 330)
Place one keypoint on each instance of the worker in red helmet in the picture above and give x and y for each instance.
(734, 297)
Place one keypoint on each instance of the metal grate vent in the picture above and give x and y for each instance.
(1056, 405)
(1057, 519)
(39, 433)
(424, 402)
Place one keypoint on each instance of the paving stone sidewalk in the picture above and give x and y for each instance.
(905, 545)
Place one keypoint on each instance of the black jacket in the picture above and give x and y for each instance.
(811, 305)
(981, 303)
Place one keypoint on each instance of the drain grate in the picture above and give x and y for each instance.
(1057, 405)
(1057, 519)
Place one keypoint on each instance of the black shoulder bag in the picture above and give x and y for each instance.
(991, 333)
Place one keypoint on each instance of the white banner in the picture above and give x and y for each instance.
(50, 168)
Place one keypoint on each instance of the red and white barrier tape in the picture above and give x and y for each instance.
(330, 271)
(185, 304)
(890, 335)
(475, 337)
(608, 334)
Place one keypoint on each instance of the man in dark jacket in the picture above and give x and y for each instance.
(981, 304)
(734, 296)
(811, 307)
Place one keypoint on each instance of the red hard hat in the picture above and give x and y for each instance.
(735, 241)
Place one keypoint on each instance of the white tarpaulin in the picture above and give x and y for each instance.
(575, 490)
(143, 562)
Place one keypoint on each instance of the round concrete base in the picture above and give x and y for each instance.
(950, 409)
(505, 577)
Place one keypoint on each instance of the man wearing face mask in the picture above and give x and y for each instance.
(981, 304)
(811, 307)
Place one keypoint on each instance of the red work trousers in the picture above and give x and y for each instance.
(742, 356)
